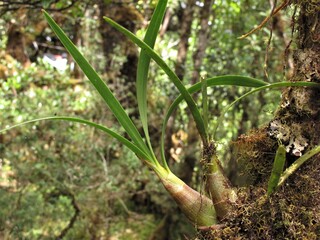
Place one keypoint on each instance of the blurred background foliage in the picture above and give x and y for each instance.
(65, 180)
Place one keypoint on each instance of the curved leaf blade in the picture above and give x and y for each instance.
(110, 132)
(231, 80)
(272, 85)
(100, 86)
(143, 66)
(172, 76)
(277, 169)
(295, 166)
(205, 108)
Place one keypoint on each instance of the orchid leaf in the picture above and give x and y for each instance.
(272, 85)
(277, 169)
(110, 132)
(232, 80)
(144, 63)
(172, 76)
(101, 87)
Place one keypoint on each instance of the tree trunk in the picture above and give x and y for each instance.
(112, 40)
(16, 45)
(203, 37)
(186, 20)
(293, 211)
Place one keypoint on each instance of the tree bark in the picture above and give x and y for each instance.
(299, 110)
(16, 45)
(293, 211)
(203, 37)
(186, 20)
(278, 24)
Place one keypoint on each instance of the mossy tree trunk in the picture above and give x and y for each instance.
(293, 212)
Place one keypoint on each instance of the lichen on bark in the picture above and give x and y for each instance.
(293, 212)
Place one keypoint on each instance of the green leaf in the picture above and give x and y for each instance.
(233, 80)
(101, 87)
(277, 169)
(294, 166)
(205, 110)
(272, 85)
(110, 132)
(172, 76)
(144, 63)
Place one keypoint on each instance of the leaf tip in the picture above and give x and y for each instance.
(44, 12)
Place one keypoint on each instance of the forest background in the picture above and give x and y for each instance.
(60, 179)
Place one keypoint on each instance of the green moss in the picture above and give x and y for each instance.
(293, 212)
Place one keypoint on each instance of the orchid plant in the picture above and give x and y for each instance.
(201, 210)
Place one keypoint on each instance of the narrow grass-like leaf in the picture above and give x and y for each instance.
(277, 169)
(294, 166)
(144, 63)
(272, 85)
(204, 93)
(101, 87)
(172, 76)
(233, 80)
(110, 132)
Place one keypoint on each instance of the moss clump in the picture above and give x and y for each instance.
(255, 156)
(293, 212)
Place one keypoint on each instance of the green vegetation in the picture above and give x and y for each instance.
(76, 181)
(277, 169)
